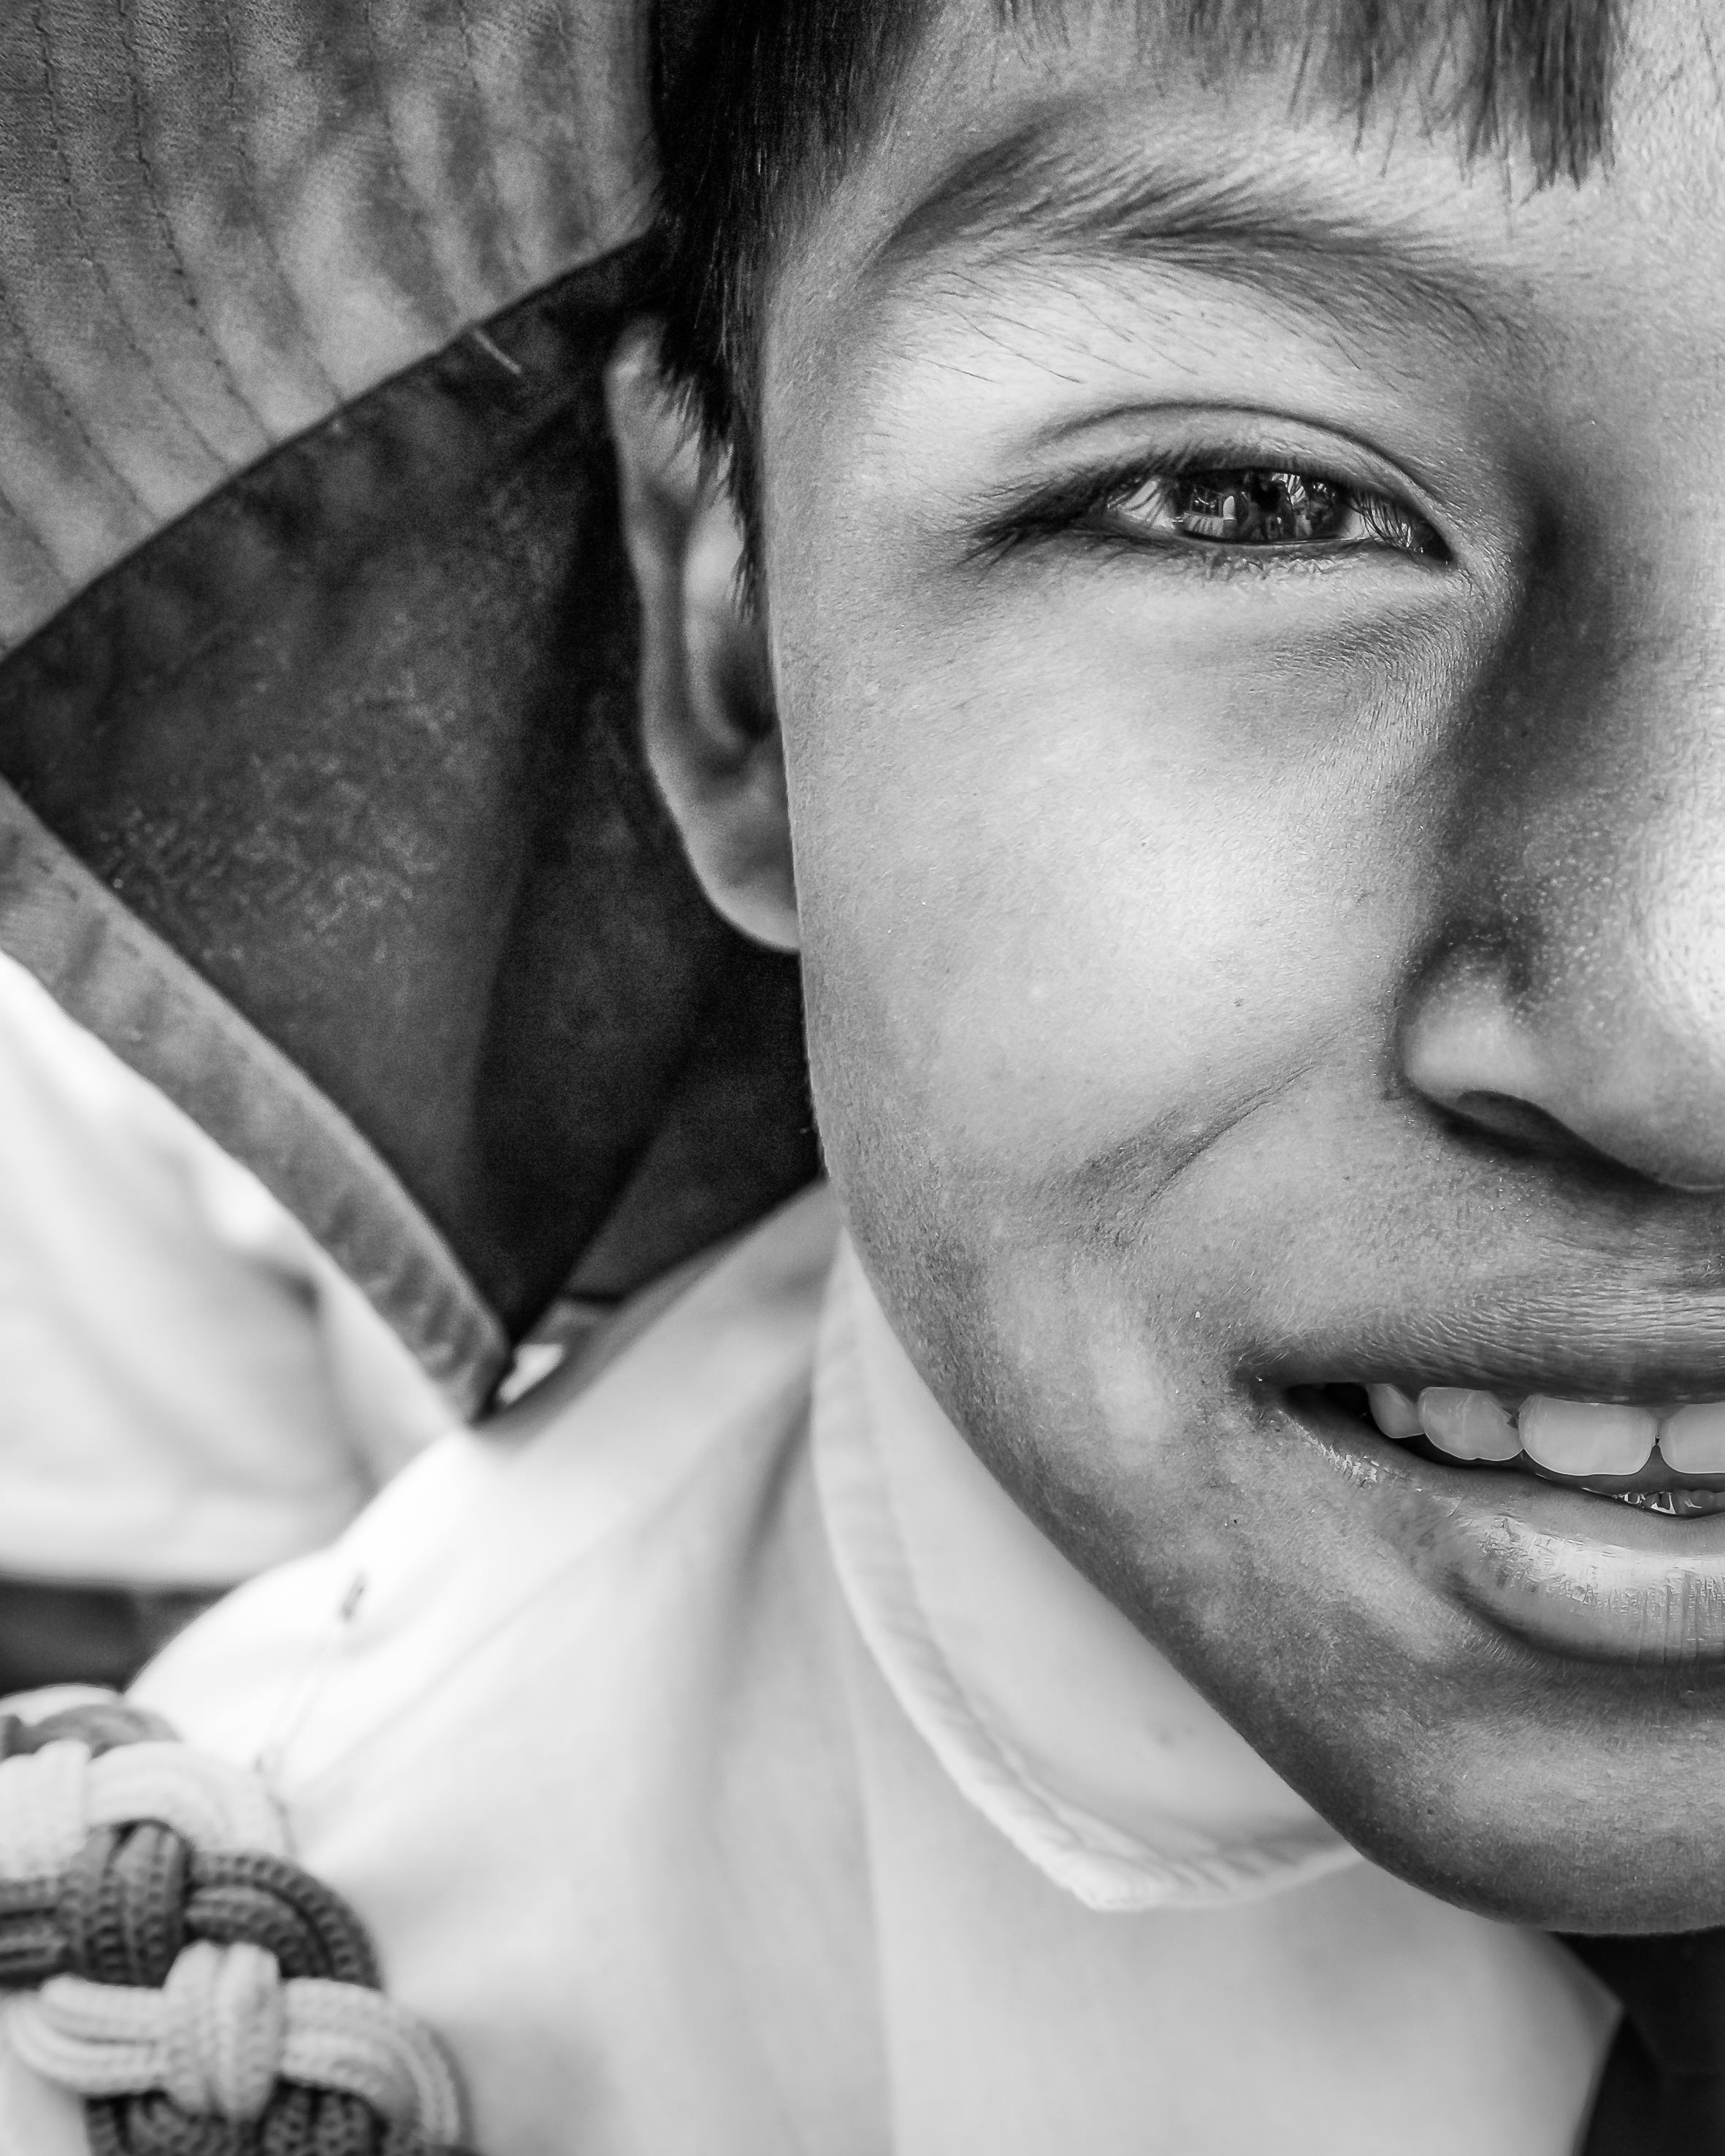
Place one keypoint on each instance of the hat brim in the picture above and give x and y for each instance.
(326, 809)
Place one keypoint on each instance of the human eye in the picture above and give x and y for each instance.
(1248, 505)
(1217, 510)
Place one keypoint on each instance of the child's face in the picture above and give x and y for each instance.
(1240, 969)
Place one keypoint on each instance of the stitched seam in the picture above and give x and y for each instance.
(68, 411)
(170, 239)
(413, 201)
(92, 260)
(242, 145)
(9, 508)
(427, 1280)
(503, 223)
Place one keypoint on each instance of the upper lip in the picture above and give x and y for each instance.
(1604, 1342)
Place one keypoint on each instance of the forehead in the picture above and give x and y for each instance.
(1098, 140)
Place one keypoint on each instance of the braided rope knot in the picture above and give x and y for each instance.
(224, 2028)
(201, 1992)
(51, 1800)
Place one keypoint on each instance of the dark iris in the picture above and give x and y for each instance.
(1253, 508)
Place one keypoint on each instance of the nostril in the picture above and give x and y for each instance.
(1519, 1126)
(1501, 1120)
(1627, 1104)
(1517, 1123)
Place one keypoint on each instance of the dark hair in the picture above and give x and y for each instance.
(758, 103)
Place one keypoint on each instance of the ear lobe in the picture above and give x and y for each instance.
(710, 736)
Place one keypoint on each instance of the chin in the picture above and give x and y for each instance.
(1507, 1689)
(1516, 1850)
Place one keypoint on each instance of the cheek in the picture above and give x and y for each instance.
(1071, 879)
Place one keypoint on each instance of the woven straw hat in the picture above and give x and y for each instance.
(320, 799)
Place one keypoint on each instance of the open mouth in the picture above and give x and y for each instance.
(1591, 1527)
(1665, 1456)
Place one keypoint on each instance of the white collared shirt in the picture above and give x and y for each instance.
(726, 1768)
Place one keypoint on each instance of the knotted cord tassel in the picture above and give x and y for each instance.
(169, 1963)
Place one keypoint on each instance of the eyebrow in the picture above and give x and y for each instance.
(1033, 195)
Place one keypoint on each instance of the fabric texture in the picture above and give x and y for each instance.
(221, 223)
(192, 1390)
(728, 1896)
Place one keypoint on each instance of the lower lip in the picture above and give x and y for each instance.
(1575, 1574)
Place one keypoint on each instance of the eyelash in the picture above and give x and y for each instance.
(1264, 512)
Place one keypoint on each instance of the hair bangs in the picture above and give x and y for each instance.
(1502, 74)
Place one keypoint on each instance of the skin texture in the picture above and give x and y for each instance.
(1229, 973)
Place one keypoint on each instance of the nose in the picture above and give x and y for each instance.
(1573, 1002)
(1619, 1079)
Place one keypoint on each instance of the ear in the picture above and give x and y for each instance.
(711, 734)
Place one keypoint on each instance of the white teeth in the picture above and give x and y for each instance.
(1577, 1438)
(1693, 1439)
(1466, 1425)
(1587, 1437)
(1395, 1411)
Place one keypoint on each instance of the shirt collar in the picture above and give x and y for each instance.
(1050, 1711)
